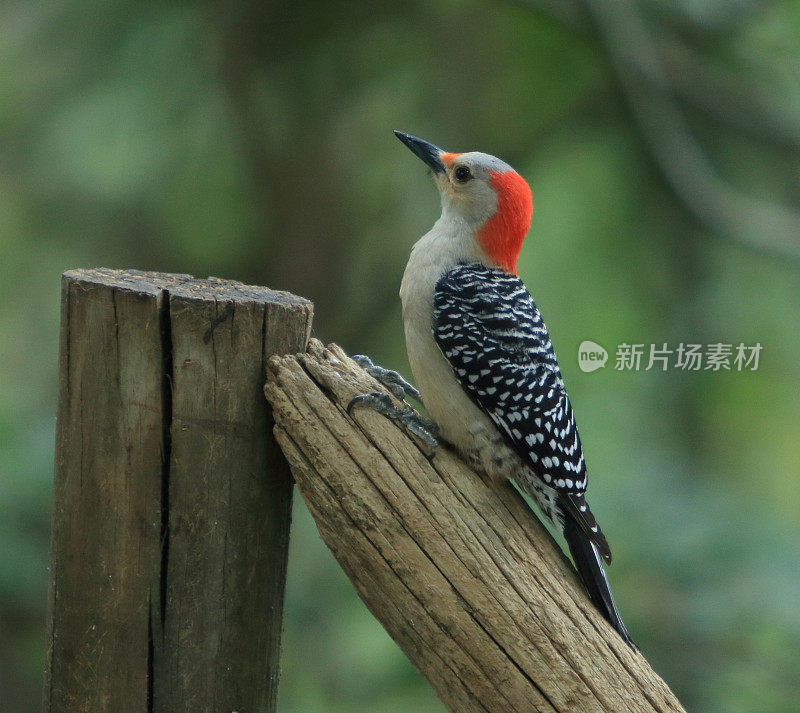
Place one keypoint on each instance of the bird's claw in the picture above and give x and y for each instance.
(369, 400)
(415, 425)
(392, 380)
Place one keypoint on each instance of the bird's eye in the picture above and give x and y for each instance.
(462, 174)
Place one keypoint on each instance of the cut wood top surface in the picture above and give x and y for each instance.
(210, 288)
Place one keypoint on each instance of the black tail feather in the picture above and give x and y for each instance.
(589, 565)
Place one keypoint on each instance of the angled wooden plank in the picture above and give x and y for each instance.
(457, 569)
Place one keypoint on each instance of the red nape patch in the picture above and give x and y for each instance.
(502, 235)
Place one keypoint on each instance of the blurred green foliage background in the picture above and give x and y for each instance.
(252, 140)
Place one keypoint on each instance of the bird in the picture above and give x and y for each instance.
(481, 356)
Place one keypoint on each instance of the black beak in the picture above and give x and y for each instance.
(427, 152)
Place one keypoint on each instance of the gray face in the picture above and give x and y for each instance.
(465, 185)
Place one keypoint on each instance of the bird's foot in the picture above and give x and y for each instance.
(390, 379)
(419, 427)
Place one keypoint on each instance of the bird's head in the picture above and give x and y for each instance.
(486, 195)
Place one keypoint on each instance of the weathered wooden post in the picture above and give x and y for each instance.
(172, 502)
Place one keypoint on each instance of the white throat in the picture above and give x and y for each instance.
(450, 241)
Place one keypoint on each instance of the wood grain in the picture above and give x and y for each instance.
(172, 503)
(459, 571)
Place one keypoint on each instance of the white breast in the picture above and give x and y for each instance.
(460, 421)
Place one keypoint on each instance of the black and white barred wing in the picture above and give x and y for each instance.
(490, 330)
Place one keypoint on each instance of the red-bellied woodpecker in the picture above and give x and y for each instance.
(482, 358)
